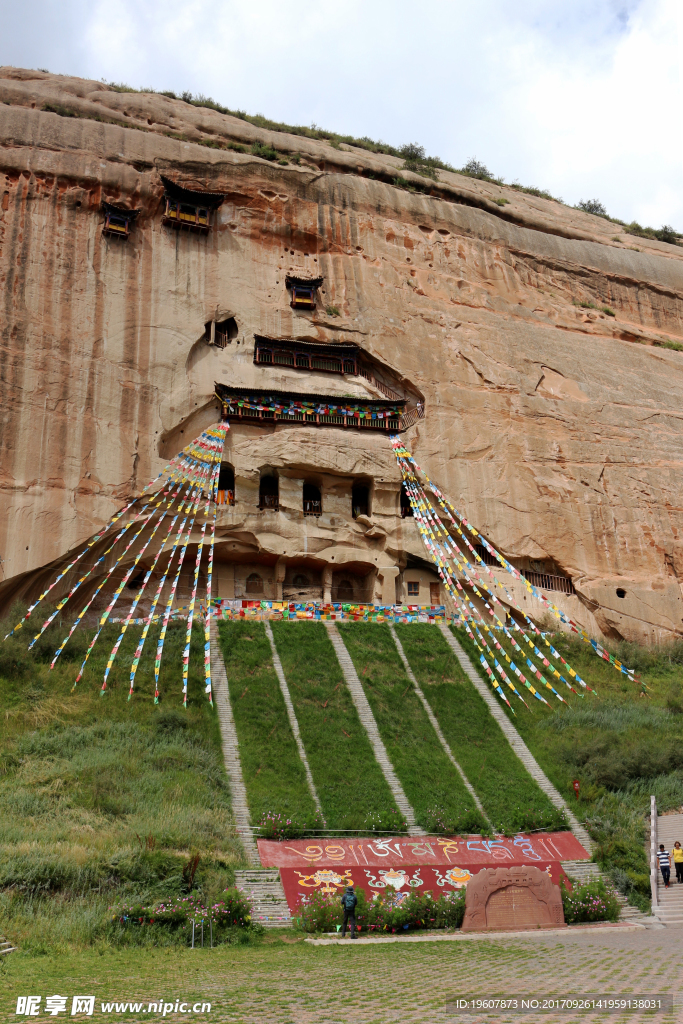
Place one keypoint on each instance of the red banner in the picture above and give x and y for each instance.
(398, 851)
(404, 865)
(298, 885)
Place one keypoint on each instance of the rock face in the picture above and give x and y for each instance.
(553, 424)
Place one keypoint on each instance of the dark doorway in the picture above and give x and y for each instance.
(344, 592)
(254, 583)
(269, 492)
(360, 500)
(406, 507)
(225, 494)
(313, 503)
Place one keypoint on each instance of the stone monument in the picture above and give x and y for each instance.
(512, 899)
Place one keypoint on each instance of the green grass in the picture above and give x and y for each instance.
(102, 798)
(501, 782)
(428, 778)
(622, 744)
(273, 771)
(347, 777)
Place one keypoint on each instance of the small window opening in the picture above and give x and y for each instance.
(225, 494)
(413, 589)
(301, 581)
(254, 583)
(269, 493)
(313, 505)
(360, 500)
(344, 591)
(135, 582)
(224, 332)
(406, 507)
(303, 296)
(620, 592)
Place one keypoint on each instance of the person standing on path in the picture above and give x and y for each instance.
(664, 858)
(348, 902)
(678, 861)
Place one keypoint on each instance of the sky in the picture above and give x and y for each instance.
(580, 97)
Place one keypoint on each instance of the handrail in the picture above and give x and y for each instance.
(653, 851)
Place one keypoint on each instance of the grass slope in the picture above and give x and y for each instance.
(431, 783)
(508, 794)
(621, 744)
(273, 771)
(347, 777)
(102, 798)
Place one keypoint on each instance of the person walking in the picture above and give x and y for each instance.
(348, 902)
(664, 858)
(678, 861)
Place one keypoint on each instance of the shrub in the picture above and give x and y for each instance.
(233, 911)
(333, 310)
(265, 152)
(590, 902)
(475, 169)
(276, 825)
(436, 820)
(385, 821)
(387, 911)
(593, 206)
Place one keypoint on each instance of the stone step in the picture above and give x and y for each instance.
(264, 888)
(582, 871)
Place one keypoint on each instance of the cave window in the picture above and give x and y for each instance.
(301, 581)
(620, 592)
(269, 494)
(225, 494)
(222, 332)
(413, 589)
(345, 592)
(303, 296)
(254, 583)
(185, 214)
(136, 582)
(360, 500)
(313, 505)
(406, 507)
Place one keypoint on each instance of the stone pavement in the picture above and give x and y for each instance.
(414, 982)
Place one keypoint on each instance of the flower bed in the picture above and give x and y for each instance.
(233, 911)
(593, 901)
(278, 826)
(386, 912)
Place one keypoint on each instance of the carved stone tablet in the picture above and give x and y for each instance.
(512, 899)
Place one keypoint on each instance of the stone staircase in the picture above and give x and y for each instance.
(267, 895)
(6, 946)
(370, 725)
(583, 871)
(670, 901)
(230, 746)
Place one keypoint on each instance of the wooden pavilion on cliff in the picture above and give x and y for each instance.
(187, 209)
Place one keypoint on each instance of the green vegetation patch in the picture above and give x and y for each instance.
(348, 779)
(509, 795)
(429, 780)
(272, 768)
(102, 798)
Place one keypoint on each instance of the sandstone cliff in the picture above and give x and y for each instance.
(556, 426)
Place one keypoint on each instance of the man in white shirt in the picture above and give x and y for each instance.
(664, 858)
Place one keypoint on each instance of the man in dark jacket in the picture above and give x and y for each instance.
(348, 902)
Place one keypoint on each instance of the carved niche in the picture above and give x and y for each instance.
(512, 899)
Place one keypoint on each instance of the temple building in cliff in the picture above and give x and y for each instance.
(159, 278)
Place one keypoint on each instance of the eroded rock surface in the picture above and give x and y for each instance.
(554, 425)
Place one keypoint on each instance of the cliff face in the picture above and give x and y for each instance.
(556, 427)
